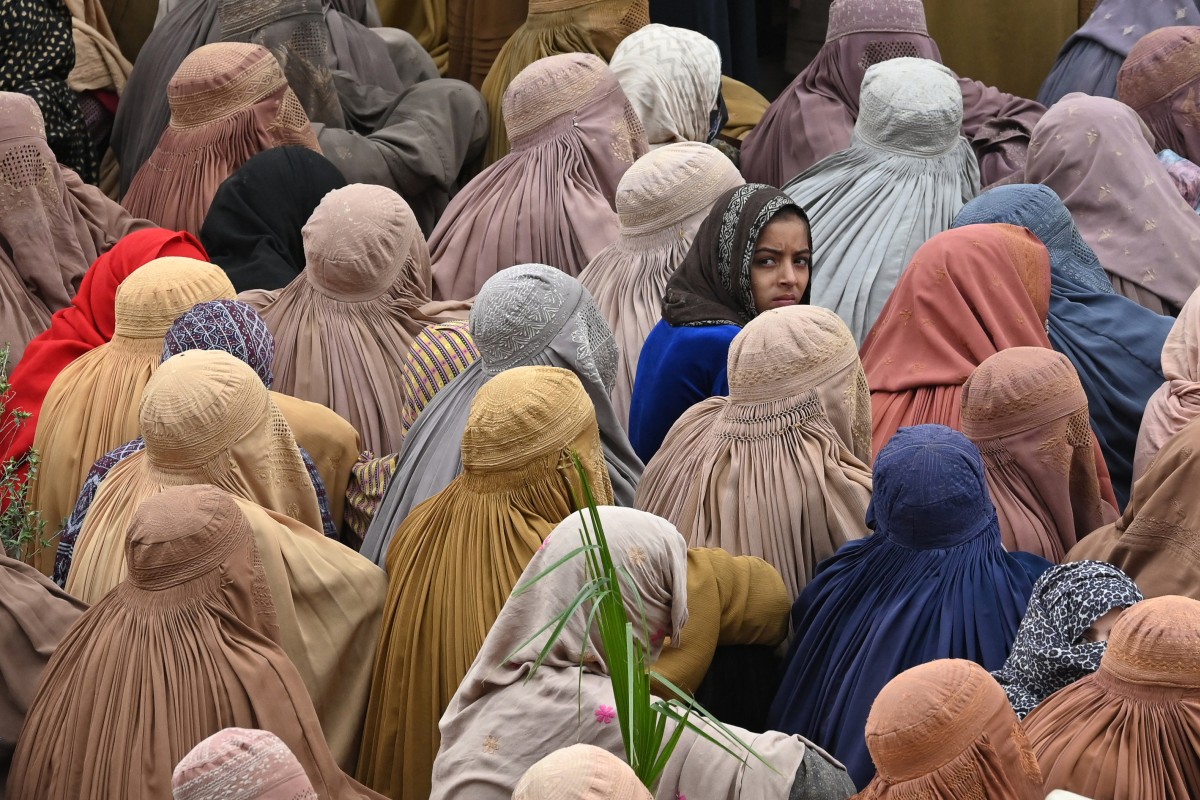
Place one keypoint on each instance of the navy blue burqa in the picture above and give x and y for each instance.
(933, 581)
(1114, 343)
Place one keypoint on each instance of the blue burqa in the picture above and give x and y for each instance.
(933, 581)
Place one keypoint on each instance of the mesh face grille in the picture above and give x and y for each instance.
(637, 16)
(877, 52)
(23, 166)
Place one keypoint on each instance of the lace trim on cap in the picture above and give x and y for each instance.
(242, 90)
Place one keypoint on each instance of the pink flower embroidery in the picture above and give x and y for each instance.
(605, 714)
(680, 796)
(545, 542)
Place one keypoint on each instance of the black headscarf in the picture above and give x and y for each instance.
(38, 54)
(252, 230)
(712, 285)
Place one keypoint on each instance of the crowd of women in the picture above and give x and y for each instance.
(319, 331)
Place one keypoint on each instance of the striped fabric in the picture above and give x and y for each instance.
(437, 355)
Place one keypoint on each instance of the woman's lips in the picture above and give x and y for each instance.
(784, 300)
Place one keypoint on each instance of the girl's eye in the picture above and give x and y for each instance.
(766, 262)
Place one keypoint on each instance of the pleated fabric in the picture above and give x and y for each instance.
(907, 172)
(549, 201)
(1157, 540)
(531, 315)
(91, 407)
(456, 559)
(1113, 342)
(779, 468)
(1098, 156)
(933, 581)
(661, 202)
(1176, 402)
(188, 645)
(1052, 649)
(34, 616)
(968, 293)
(84, 325)
(506, 716)
(229, 101)
(554, 27)
(344, 324)
(1026, 411)
(945, 731)
(1130, 730)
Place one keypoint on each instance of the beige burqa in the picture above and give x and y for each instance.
(92, 405)
(661, 201)
(207, 418)
(779, 468)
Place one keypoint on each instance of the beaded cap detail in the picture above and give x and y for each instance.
(871, 16)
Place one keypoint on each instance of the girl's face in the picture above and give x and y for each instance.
(782, 263)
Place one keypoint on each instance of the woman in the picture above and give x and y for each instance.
(233, 327)
(207, 418)
(228, 102)
(906, 173)
(1154, 541)
(554, 28)
(255, 763)
(943, 731)
(342, 326)
(672, 77)
(92, 405)
(88, 322)
(1176, 402)
(551, 199)
(1065, 630)
(1113, 343)
(198, 633)
(814, 117)
(779, 468)
(974, 291)
(1130, 729)
(252, 229)
(592, 773)
(1091, 59)
(34, 616)
(1025, 410)
(1157, 79)
(502, 721)
(933, 581)
(753, 252)
(457, 557)
(661, 202)
(52, 228)
(531, 315)
(1095, 154)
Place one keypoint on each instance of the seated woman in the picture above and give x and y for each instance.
(779, 468)
(1176, 402)
(549, 201)
(1130, 729)
(34, 616)
(53, 228)
(943, 731)
(198, 632)
(1113, 342)
(932, 581)
(661, 202)
(507, 714)
(1090, 61)
(1065, 630)
(814, 117)
(753, 252)
(229, 102)
(207, 418)
(343, 325)
(1026, 412)
(974, 291)
(92, 405)
(905, 175)
(531, 315)
(252, 228)
(1155, 540)
(1158, 76)
(1097, 156)
(459, 554)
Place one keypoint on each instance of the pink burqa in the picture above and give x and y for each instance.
(551, 200)
(1159, 81)
(1177, 402)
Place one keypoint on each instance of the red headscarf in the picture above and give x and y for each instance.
(85, 324)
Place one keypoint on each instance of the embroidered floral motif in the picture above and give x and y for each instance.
(605, 714)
